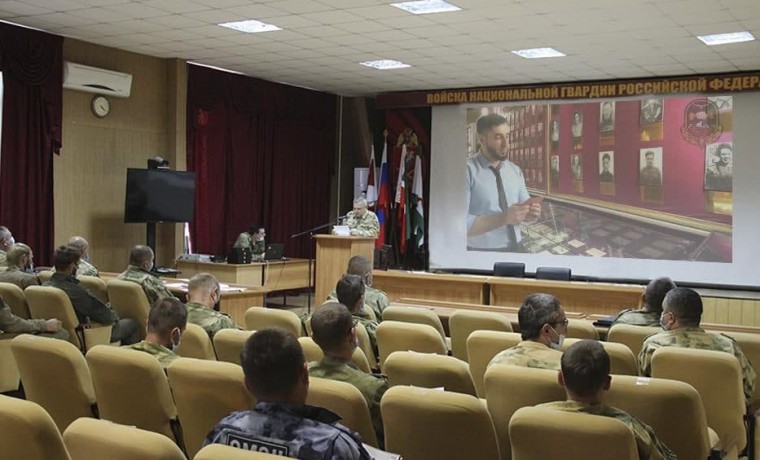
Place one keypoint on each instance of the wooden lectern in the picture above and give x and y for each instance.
(333, 253)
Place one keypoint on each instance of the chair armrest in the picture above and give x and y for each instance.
(716, 449)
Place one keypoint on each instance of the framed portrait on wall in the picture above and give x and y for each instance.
(719, 166)
(651, 112)
(650, 167)
(607, 166)
(606, 116)
(577, 127)
(576, 166)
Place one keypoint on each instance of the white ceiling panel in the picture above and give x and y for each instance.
(323, 41)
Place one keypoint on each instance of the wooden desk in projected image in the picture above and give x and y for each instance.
(275, 275)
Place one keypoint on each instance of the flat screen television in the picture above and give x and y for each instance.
(155, 195)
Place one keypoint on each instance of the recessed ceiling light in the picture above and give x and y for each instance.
(250, 27)
(427, 6)
(536, 53)
(385, 64)
(724, 39)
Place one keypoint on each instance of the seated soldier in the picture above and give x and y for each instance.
(334, 330)
(543, 326)
(19, 260)
(87, 307)
(375, 299)
(139, 271)
(203, 292)
(6, 241)
(277, 375)
(12, 324)
(652, 299)
(681, 315)
(167, 321)
(585, 374)
(85, 267)
(350, 290)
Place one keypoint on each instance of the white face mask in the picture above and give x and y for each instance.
(173, 346)
(560, 340)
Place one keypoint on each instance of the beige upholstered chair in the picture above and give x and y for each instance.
(205, 392)
(482, 346)
(196, 343)
(429, 371)
(717, 377)
(228, 343)
(131, 389)
(622, 360)
(222, 452)
(51, 302)
(672, 408)
(14, 297)
(366, 346)
(96, 285)
(631, 336)
(45, 275)
(418, 315)
(581, 329)
(129, 301)
(55, 376)
(9, 374)
(462, 323)
(426, 424)
(257, 318)
(27, 432)
(569, 436)
(508, 388)
(397, 336)
(312, 352)
(345, 400)
(89, 438)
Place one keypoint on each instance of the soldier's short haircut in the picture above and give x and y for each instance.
(606, 156)
(585, 367)
(78, 242)
(140, 254)
(350, 289)
(65, 256)
(649, 153)
(486, 122)
(203, 281)
(359, 265)
(272, 361)
(4, 232)
(536, 310)
(17, 251)
(166, 314)
(655, 293)
(685, 304)
(255, 228)
(361, 202)
(330, 325)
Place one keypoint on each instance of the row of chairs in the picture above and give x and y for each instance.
(27, 431)
(517, 270)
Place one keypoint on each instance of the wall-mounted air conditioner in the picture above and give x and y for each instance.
(94, 80)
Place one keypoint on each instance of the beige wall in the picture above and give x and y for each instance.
(90, 173)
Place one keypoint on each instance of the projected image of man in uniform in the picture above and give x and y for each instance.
(496, 192)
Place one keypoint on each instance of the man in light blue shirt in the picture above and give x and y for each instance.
(496, 192)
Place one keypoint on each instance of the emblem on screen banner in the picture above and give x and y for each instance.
(701, 122)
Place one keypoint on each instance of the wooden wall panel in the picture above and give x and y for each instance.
(90, 173)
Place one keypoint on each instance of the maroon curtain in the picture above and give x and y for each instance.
(262, 153)
(31, 62)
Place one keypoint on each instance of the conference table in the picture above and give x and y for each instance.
(274, 275)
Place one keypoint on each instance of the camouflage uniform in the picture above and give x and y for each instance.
(289, 430)
(375, 299)
(649, 447)
(529, 354)
(371, 326)
(638, 318)
(22, 279)
(372, 386)
(2, 258)
(257, 247)
(12, 324)
(210, 320)
(164, 355)
(154, 288)
(86, 269)
(366, 225)
(697, 338)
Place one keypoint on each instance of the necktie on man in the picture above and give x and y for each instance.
(512, 244)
